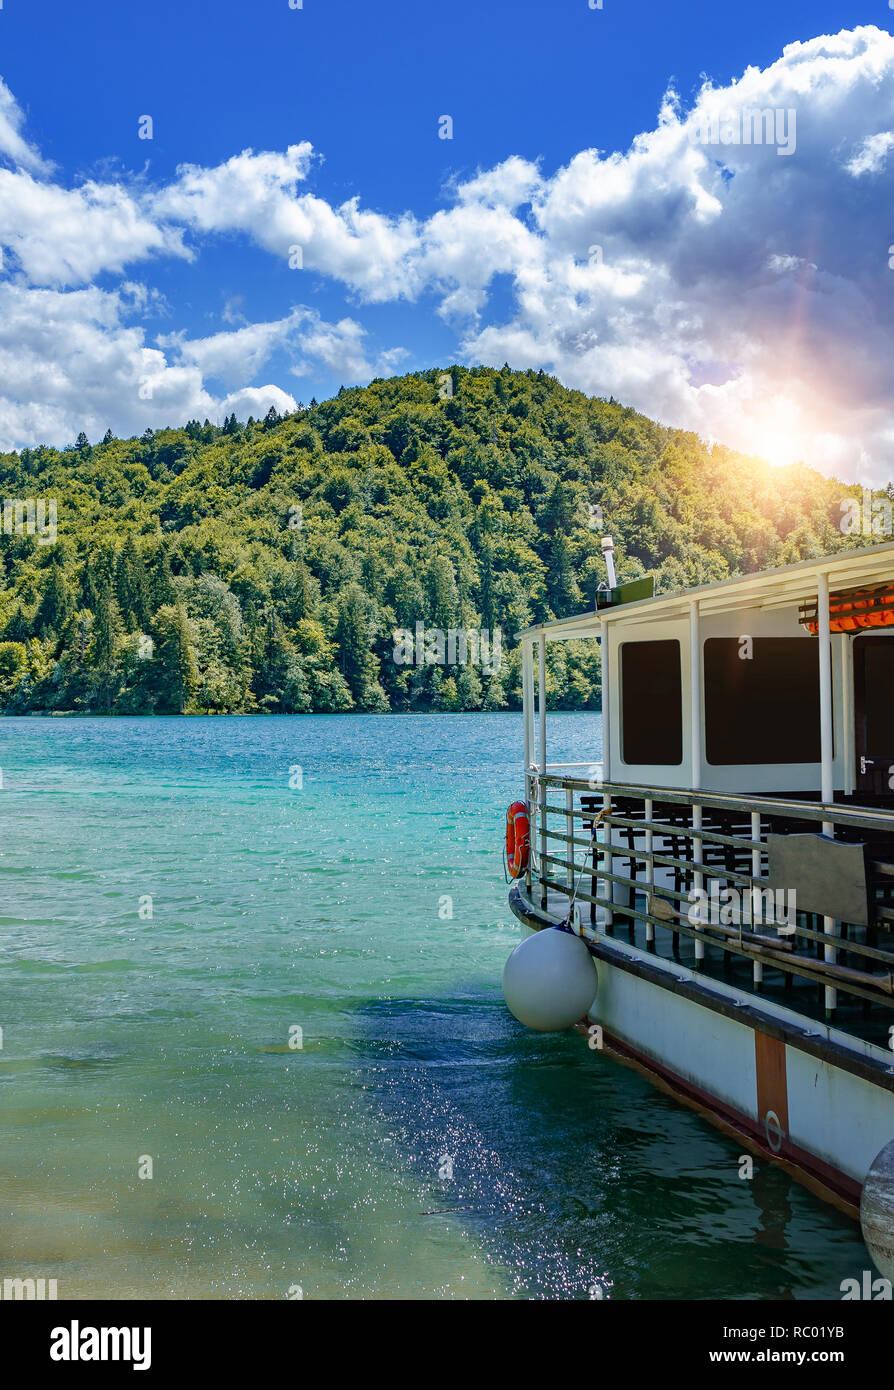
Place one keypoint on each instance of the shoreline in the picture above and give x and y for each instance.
(268, 714)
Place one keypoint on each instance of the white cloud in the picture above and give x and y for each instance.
(230, 357)
(716, 286)
(63, 237)
(70, 361)
(776, 268)
(465, 247)
(339, 346)
(256, 401)
(870, 158)
(13, 144)
(257, 194)
(308, 339)
(507, 185)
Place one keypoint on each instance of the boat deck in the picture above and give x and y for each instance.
(642, 861)
(860, 1018)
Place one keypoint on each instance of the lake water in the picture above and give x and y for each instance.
(325, 907)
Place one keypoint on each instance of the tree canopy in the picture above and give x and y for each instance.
(265, 566)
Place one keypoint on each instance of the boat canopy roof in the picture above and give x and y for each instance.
(772, 588)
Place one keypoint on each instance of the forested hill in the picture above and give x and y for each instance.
(267, 566)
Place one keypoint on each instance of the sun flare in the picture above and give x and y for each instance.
(781, 436)
(781, 448)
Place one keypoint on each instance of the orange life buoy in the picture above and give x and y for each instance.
(518, 839)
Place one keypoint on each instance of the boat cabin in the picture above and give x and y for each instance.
(747, 748)
(729, 687)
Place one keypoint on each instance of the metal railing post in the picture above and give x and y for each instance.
(541, 710)
(532, 824)
(698, 880)
(544, 868)
(757, 968)
(827, 790)
(650, 866)
(608, 863)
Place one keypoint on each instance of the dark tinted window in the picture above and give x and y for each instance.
(763, 708)
(875, 693)
(651, 703)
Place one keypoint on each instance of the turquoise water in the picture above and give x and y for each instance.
(326, 907)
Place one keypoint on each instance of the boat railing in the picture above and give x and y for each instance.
(694, 864)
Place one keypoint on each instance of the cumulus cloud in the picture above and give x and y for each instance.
(63, 237)
(871, 157)
(258, 195)
(256, 401)
(727, 273)
(72, 361)
(77, 360)
(230, 357)
(81, 360)
(308, 339)
(751, 298)
(508, 185)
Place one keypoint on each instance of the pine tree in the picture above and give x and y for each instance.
(98, 575)
(353, 633)
(103, 655)
(176, 673)
(487, 596)
(301, 600)
(161, 580)
(278, 681)
(57, 604)
(441, 595)
(133, 586)
(564, 594)
(371, 575)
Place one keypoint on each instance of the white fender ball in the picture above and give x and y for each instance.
(549, 981)
(877, 1211)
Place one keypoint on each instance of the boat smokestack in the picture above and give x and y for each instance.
(608, 553)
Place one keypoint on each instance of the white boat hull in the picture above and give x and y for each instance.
(819, 1102)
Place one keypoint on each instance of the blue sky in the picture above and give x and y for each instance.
(729, 284)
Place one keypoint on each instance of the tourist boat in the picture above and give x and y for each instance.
(728, 861)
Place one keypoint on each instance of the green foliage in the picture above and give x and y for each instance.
(265, 567)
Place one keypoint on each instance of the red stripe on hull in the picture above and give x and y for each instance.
(822, 1178)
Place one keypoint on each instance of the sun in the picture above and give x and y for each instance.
(781, 448)
(780, 435)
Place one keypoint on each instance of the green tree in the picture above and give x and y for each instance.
(161, 580)
(409, 506)
(103, 655)
(175, 670)
(353, 634)
(441, 596)
(13, 666)
(57, 604)
(133, 586)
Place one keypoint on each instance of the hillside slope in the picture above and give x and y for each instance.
(267, 566)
